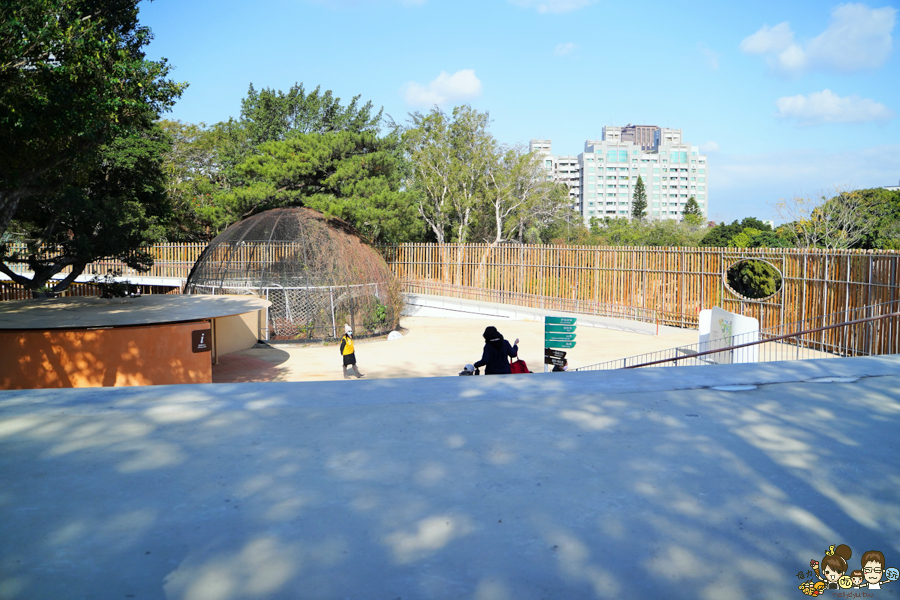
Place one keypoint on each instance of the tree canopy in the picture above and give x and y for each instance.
(353, 176)
(449, 158)
(882, 211)
(73, 77)
(78, 100)
(470, 187)
(722, 235)
(271, 115)
(289, 149)
(624, 232)
(120, 208)
(849, 219)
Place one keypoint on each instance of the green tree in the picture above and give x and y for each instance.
(208, 180)
(669, 232)
(639, 201)
(120, 208)
(194, 175)
(662, 232)
(518, 198)
(721, 235)
(770, 239)
(449, 159)
(850, 219)
(883, 211)
(613, 231)
(843, 221)
(745, 238)
(73, 77)
(352, 176)
(692, 213)
(551, 217)
(271, 115)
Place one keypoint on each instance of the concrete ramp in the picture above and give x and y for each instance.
(426, 305)
(639, 484)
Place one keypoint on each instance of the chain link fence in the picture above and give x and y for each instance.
(315, 271)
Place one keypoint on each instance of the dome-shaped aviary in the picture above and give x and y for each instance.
(315, 271)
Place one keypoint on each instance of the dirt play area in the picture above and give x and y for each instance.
(434, 347)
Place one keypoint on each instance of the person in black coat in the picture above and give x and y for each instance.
(497, 352)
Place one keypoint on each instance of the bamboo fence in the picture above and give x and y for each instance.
(170, 260)
(668, 285)
(14, 291)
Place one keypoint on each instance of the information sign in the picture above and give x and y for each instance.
(558, 337)
(200, 340)
(559, 328)
(559, 320)
(555, 344)
(559, 332)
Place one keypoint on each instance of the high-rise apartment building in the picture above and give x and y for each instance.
(645, 136)
(564, 169)
(608, 170)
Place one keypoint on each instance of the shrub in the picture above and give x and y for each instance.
(754, 279)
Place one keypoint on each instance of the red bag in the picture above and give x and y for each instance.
(518, 366)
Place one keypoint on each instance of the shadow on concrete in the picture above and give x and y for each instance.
(645, 484)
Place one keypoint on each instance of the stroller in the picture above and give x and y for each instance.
(469, 370)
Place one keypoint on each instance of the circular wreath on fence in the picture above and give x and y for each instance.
(753, 278)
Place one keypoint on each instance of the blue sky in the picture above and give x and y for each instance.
(788, 98)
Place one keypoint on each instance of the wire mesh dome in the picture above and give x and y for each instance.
(315, 271)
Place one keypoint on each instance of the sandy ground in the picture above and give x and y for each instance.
(434, 347)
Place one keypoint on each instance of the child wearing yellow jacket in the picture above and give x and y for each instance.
(347, 352)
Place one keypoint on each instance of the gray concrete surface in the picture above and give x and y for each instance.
(626, 484)
(75, 311)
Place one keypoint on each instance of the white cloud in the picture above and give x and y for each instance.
(709, 147)
(711, 58)
(445, 88)
(563, 49)
(768, 39)
(747, 185)
(553, 6)
(778, 44)
(858, 38)
(828, 107)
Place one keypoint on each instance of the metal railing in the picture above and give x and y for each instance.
(864, 331)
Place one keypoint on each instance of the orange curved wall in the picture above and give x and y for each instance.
(61, 358)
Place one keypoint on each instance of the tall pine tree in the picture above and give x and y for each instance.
(639, 201)
(692, 213)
